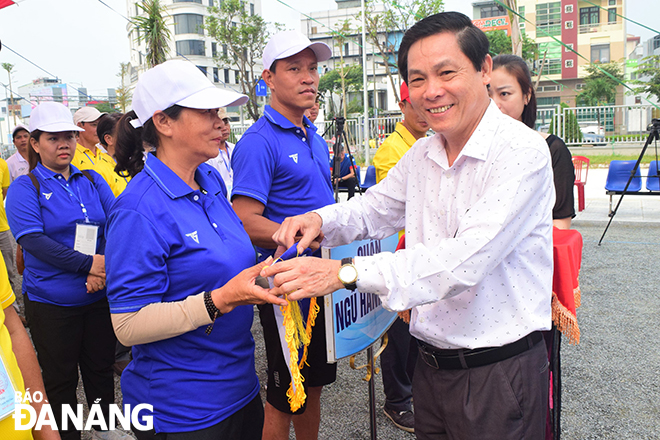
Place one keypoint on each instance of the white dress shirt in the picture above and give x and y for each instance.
(17, 165)
(477, 268)
(222, 163)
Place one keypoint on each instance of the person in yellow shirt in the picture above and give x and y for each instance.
(19, 364)
(89, 156)
(398, 358)
(7, 244)
(405, 134)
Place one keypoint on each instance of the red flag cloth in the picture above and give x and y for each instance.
(567, 255)
(5, 3)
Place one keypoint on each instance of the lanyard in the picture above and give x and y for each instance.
(90, 159)
(227, 165)
(78, 198)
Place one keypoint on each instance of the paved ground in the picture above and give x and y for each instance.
(610, 380)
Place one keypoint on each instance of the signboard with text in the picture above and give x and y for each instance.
(355, 320)
(493, 24)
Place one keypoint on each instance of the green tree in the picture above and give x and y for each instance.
(569, 130)
(9, 67)
(340, 39)
(600, 87)
(648, 76)
(384, 29)
(123, 92)
(500, 43)
(245, 37)
(331, 83)
(105, 107)
(155, 32)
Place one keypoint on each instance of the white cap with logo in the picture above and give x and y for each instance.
(287, 43)
(52, 117)
(178, 82)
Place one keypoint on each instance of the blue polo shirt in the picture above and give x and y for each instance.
(55, 212)
(165, 243)
(279, 165)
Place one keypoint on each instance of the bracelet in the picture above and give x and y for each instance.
(212, 310)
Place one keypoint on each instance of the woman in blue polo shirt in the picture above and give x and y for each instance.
(179, 265)
(58, 216)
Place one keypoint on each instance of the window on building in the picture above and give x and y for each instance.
(656, 42)
(211, 4)
(188, 24)
(549, 101)
(552, 64)
(569, 64)
(203, 70)
(611, 15)
(568, 9)
(548, 19)
(568, 24)
(137, 10)
(600, 53)
(226, 76)
(224, 49)
(190, 47)
(611, 2)
(314, 30)
(589, 16)
(137, 30)
(491, 11)
(237, 76)
(214, 50)
(346, 51)
(188, 1)
(568, 47)
(216, 75)
(251, 8)
(521, 20)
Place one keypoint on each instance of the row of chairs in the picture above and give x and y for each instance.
(619, 173)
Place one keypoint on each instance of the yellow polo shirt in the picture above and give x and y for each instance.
(5, 180)
(391, 150)
(7, 298)
(102, 163)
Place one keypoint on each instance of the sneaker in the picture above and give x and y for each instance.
(402, 419)
(111, 435)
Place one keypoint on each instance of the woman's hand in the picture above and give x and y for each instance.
(242, 290)
(94, 283)
(98, 266)
(304, 277)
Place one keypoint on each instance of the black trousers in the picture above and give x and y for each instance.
(245, 424)
(398, 364)
(504, 400)
(67, 338)
(350, 185)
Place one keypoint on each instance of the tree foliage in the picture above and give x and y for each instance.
(569, 130)
(648, 76)
(500, 43)
(600, 87)
(105, 107)
(123, 92)
(155, 32)
(245, 37)
(385, 28)
(331, 83)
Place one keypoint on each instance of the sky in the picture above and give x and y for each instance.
(82, 42)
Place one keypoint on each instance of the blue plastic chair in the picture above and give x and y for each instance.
(652, 180)
(369, 177)
(618, 175)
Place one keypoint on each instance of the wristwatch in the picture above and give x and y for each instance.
(348, 274)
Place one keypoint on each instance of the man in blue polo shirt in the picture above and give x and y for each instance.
(281, 169)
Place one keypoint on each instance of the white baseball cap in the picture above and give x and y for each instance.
(52, 117)
(87, 114)
(287, 43)
(178, 82)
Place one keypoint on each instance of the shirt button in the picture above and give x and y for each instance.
(196, 197)
(215, 225)
(447, 174)
(297, 131)
(304, 140)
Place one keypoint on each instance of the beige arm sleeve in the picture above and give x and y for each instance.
(159, 321)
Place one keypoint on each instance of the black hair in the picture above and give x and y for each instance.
(472, 41)
(129, 151)
(13, 135)
(272, 66)
(107, 125)
(33, 156)
(517, 67)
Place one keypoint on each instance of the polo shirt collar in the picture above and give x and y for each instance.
(172, 184)
(48, 174)
(278, 119)
(407, 137)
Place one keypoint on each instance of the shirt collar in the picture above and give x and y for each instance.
(48, 174)
(172, 184)
(407, 137)
(19, 157)
(278, 119)
(477, 146)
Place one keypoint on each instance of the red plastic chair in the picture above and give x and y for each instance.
(581, 165)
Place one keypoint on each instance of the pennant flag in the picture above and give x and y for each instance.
(5, 3)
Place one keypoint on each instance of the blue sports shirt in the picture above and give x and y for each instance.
(55, 213)
(166, 242)
(279, 165)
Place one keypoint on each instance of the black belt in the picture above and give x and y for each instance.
(464, 358)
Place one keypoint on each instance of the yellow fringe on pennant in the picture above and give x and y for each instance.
(577, 294)
(565, 321)
(297, 335)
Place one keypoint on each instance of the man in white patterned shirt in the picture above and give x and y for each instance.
(476, 202)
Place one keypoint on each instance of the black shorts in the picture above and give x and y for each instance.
(318, 373)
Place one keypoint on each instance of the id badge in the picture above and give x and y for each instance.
(86, 235)
(7, 391)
